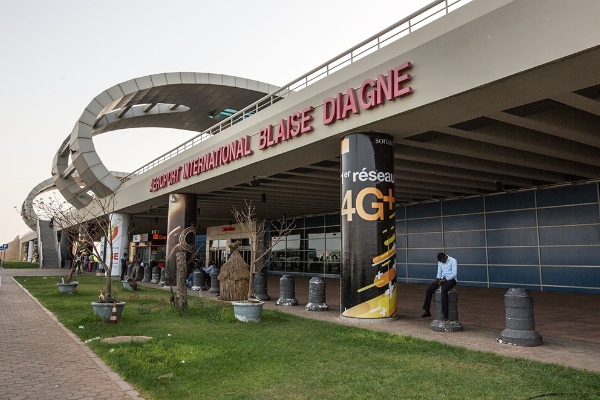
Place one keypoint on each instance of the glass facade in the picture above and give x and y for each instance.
(546, 239)
(313, 247)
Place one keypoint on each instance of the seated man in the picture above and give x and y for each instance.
(446, 278)
(190, 279)
(209, 270)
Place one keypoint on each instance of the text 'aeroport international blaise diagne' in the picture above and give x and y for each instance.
(371, 93)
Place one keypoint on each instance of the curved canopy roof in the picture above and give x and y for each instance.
(150, 101)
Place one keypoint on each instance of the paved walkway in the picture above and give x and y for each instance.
(41, 359)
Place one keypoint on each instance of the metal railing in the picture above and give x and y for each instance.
(416, 20)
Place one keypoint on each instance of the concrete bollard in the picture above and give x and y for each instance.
(439, 324)
(316, 295)
(287, 291)
(155, 275)
(260, 287)
(147, 274)
(162, 276)
(520, 325)
(214, 283)
(198, 283)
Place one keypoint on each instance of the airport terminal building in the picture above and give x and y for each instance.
(469, 128)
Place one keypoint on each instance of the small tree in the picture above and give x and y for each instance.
(83, 226)
(256, 230)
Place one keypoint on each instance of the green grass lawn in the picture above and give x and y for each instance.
(191, 356)
(19, 265)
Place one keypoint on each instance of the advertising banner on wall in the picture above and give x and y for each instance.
(368, 278)
(120, 241)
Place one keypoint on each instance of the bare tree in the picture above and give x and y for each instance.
(256, 230)
(84, 226)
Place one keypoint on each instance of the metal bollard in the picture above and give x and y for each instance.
(162, 276)
(147, 274)
(155, 275)
(287, 291)
(198, 283)
(316, 295)
(520, 325)
(452, 324)
(260, 287)
(214, 283)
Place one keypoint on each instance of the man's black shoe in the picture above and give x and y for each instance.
(425, 314)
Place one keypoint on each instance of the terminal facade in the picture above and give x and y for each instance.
(490, 110)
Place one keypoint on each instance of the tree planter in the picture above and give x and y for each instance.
(104, 310)
(67, 287)
(248, 311)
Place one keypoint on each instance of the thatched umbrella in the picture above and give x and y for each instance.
(234, 276)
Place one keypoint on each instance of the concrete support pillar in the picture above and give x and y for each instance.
(119, 223)
(520, 325)
(155, 275)
(214, 283)
(439, 324)
(181, 228)
(316, 295)
(260, 287)
(287, 291)
(30, 251)
(368, 278)
(147, 273)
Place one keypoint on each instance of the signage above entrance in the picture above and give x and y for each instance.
(372, 93)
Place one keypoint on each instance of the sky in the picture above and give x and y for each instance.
(58, 55)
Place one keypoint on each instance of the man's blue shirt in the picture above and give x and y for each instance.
(447, 269)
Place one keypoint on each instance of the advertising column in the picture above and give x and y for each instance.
(368, 278)
(120, 241)
(181, 232)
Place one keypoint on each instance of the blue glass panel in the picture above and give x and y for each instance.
(572, 215)
(464, 239)
(567, 195)
(427, 240)
(400, 227)
(512, 237)
(316, 221)
(463, 206)
(513, 274)
(467, 256)
(464, 223)
(332, 219)
(473, 273)
(400, 270)
(574, 290)
(400, 213)
(422, 271)
(401, 256)
(510, 201)
(571, 276)
(427, 256)
(423, 210)
(587, 234)
(424, 225)
(580, 255)
(401, 241)
(513, 255)
(510, 219)
(514, 285)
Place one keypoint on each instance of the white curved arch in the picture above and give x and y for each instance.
(107, 111)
